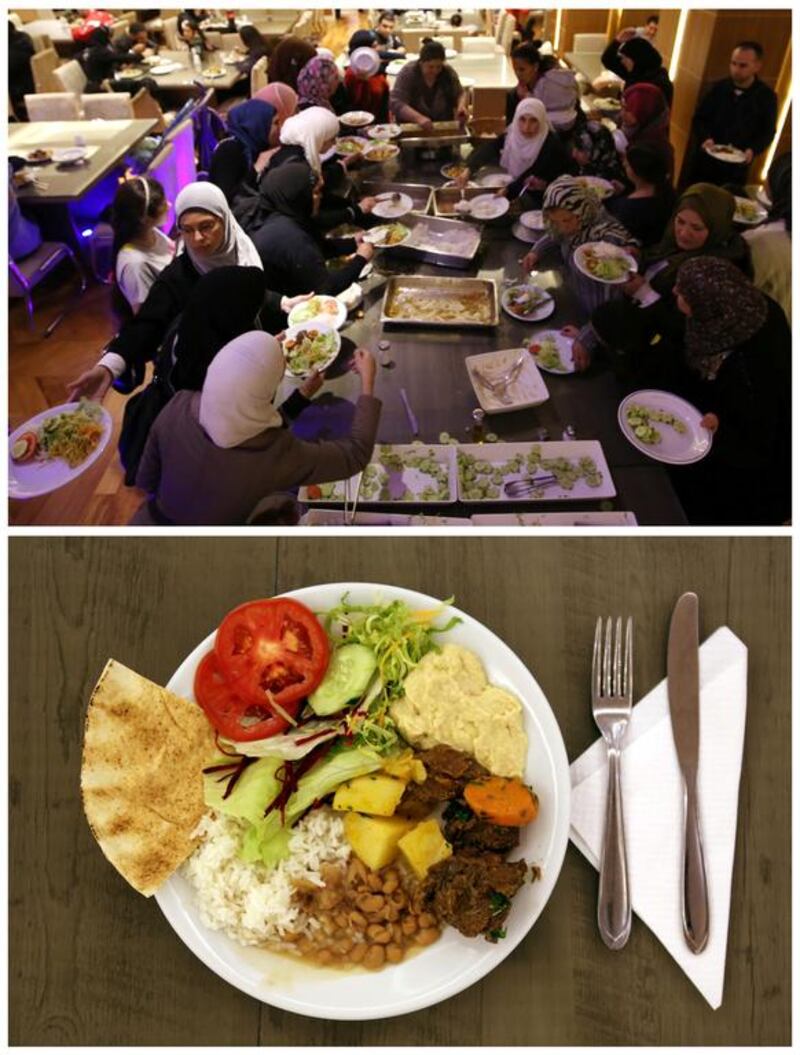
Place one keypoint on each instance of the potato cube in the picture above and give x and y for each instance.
(374, 839)
(375, 793)
(424, 846)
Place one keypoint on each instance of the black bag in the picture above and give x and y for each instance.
(143, 408)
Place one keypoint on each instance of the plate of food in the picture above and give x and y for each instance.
(349, 823)
(590, 519)
(392, 204)
(601, 188)
(604, 262)
(344, 230)
(664, 427)
(495, 180)
(39, 156)
(552, 351)
(749, 212)
(726, 152)
(310, 347)
(55, 447)
(506, 380)
(488, 206)
(357, 119)
(533, 220)
(452, 184)
(165, 67)
(454, 170)
(527, 302)
(568, 470)
(323, 309)
(605, 104)
(416, 472)
(69, 155)
(349, 145)
(387, 235)
(379, 151)
(212, 73)
(395, 66)
(390, 131)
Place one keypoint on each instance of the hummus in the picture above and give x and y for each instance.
(449, 701)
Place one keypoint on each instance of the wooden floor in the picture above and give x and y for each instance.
(39, 371)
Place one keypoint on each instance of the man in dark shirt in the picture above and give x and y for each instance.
(135, 41)
(739, 111)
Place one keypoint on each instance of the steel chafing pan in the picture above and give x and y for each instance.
(411, 291)
(443, 133)
(445, 243)
(420, 193)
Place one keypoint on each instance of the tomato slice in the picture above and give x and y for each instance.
(230, 715)
(274, 649)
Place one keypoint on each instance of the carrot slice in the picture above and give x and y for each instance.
(502, 800)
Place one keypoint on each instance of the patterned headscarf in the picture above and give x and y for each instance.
(569, 193)
(314, 82)
(727, 310)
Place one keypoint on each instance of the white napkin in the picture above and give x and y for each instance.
(652, 790)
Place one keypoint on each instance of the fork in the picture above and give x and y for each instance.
(612, 696)
(504, 380)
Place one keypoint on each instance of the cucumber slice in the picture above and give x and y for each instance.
(348, 675)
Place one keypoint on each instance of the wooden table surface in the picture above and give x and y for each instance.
(112, 140)
(92, 962)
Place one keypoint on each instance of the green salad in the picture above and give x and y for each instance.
(308, 350)
(483, 480)
(547, 355)
(640, 420)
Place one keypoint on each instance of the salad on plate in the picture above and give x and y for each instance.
(527, 302)
(71, 435)
(553, 352)
(309, 348)
(325, 309)
(604, 262)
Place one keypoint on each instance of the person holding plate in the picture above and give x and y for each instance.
(213, 457)
(739, 111)
(770, 243)
(428, 90)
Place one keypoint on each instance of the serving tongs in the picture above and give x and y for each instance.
(529, 485)
(349, 510)
(392, 196)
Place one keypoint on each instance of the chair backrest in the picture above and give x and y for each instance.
(14, 17)
(110, 106)
(42, 65)
(507, 36)
(478, 45)
(119, 28)
(71, 77)
(213, 37)
(184, 160)
(499, 26)
(446, 42)
(171, 32)
(589, 42)
(258, 75)
(229, 41)
(53, 106)
(144, 105)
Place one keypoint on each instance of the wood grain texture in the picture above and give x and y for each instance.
(93, 963)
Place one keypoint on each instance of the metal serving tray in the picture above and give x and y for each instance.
(420, 193)
(445, 198)
(431, 242)
(445, 289)
(443, 133)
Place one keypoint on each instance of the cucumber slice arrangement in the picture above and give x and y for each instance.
(348, 675)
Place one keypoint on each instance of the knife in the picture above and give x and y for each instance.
(683, 685)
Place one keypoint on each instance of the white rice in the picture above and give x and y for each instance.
(252, 903)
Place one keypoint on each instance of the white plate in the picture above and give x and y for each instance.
(732, 155)
(763, 197)
(592, 519)
(370, 151)
(375, 234)
(69, 155)
(499, 454)
(604, 249)
(165, 67)
(452, 183)
(332, 312)
(357, 119)
(525, 234)
(351, 297)
(564, 345)
(495, 179)
(408, 479)
(292, 331)
(35, 478)
(454, 962)
(335, 518)
(760, 212)
(488, 206)
(389, 210)
(384, 132)
(675, 448)
(207, 76)
(547, 307)
(603, 187)
(526, 390)
(359, 141)
(395, 66)
(446, 169)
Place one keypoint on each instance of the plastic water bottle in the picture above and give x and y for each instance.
(196, 61)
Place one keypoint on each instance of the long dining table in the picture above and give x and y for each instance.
(427, 365)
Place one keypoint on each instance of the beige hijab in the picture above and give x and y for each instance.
(236, 403)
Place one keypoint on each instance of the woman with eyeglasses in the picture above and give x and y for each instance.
(210, 238)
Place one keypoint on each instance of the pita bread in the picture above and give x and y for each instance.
(141, 776)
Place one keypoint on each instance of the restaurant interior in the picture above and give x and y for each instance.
(482, 367)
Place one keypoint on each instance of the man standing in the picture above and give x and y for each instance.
(739, 111)
(390, 46)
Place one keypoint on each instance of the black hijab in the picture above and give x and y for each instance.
(288, 191)
(646, 59)
(224, 304)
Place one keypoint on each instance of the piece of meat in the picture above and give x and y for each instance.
(448, 771)
(472, 892)
(464, 831)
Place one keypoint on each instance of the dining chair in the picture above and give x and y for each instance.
(53, 106)
(109, 106)
(43, 65)
(589, 42)
(171, 33)
(213, 38)
(144, 105)
(446, 42)
(71, 77)
(507, 36)
(258, 75)
(24, 276)
(481, 45)
(230, 41)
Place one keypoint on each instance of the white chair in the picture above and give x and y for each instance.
(258, 75)
(502, 17)
(25, 274)
(171, 33)
(53, 106)
(14, 17)
(229, 41)
(507, 36)
(213, 38)
(110, 106)
(43, 64)
(446, 42)
(478, 46)
(71, 78)
(594, 43)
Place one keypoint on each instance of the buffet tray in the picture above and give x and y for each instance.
(443, 289)
(444, 198)
(431, 242)
(443, 133)
(420, 193)
(483, 128)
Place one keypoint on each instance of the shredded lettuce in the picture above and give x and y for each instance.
(291, 745)
(255, 789)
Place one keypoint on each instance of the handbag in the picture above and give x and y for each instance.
(143, 408)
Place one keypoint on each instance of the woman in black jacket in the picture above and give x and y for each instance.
(635, 60)
(252, 130)
(292, 252)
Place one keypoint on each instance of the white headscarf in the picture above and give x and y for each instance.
(310, 129)
(237, 398)
(520, 152)
(236, 247)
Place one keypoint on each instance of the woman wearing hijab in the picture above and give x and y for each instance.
(291, 249)
(288, 58)
(734, 366)
(770, 244)
(594, 151)
(529, 151)
(645, 119)
(574, 216)
(646, 210)
(253, 131)
(210, 238)
(365, 84)
(316, 83)
(428, 90)
(212, 456)
(636, 61)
